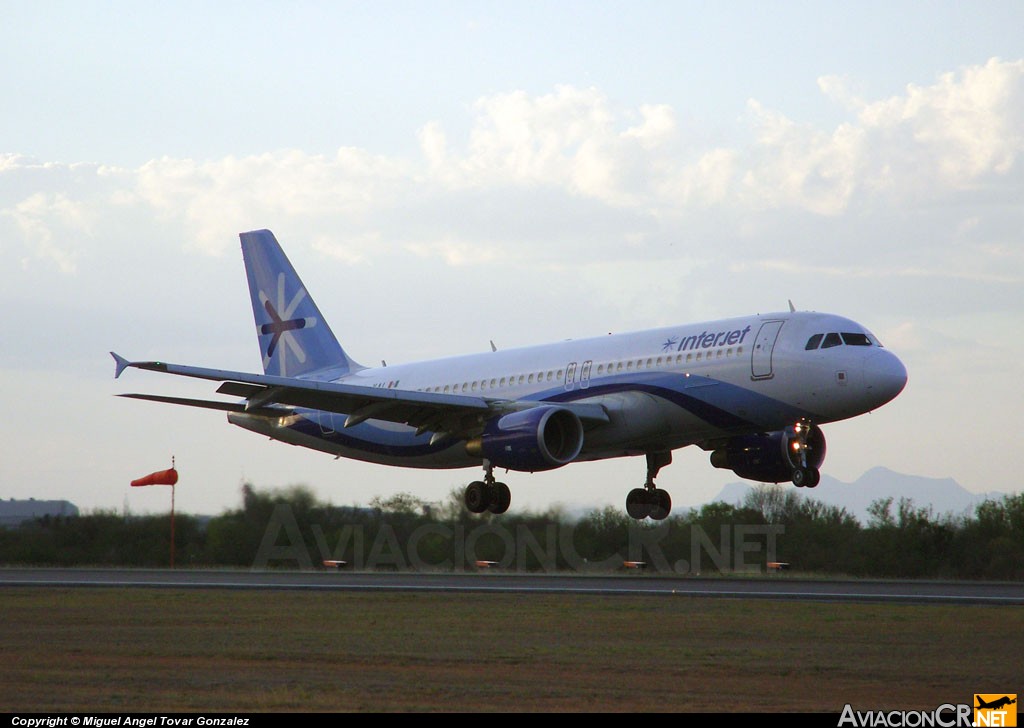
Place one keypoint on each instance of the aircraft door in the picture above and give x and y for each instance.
(764, 344)
(570, 375)
(585, 374)
(326, 422)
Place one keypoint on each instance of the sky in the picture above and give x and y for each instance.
(443, 174)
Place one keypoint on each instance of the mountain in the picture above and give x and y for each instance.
(942, 495)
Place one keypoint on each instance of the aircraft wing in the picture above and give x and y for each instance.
(427, 411)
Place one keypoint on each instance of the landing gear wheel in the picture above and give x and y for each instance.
(806, 477)
(476, 497)
(651, 501)
(500, 498)
(661, 504)
(638, 505)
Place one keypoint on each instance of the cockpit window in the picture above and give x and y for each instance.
(833, 339)
(856, 339)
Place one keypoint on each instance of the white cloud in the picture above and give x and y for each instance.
(797, 166)
(922, 146)
(458, 253)
(52, 227)
(874, 272)
(216, 199)
(434, 146)
(925, 144)
(573, 139)
(900, 195)
(534, 169)
(966, 125)
(658, 125)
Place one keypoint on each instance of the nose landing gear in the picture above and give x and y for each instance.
(804, 475)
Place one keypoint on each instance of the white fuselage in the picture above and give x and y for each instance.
(662, 388)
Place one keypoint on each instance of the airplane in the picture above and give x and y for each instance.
(753, 391)
(996, 704)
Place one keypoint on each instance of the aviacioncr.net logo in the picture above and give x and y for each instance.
(995, 709)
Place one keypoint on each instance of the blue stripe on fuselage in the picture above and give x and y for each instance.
(726, 407)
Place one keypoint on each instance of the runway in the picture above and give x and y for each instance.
(759, 586)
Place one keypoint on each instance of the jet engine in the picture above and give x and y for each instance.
(775, 457)
(540, 438)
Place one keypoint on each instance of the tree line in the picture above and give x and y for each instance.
(772, 528)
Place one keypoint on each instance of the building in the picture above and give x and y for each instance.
(15, 512)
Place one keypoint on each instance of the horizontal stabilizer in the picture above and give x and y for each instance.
(211, 404)
(120, 364)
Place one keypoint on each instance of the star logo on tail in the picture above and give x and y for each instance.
(282, 326)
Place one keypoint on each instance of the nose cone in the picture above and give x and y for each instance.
(884, 376)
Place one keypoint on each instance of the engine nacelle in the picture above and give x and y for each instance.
(541, 438)
(770, 458)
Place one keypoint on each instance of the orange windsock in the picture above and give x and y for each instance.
(161, 477)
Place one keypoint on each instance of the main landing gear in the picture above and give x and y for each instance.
(651, 501)
(487, 495)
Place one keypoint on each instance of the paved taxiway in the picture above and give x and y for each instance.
(754, 587)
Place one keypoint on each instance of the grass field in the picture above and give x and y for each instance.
(210, 650)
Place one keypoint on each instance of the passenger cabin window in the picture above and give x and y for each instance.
(832, 340)
(814, 342)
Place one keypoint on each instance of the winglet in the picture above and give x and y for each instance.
(120, 364)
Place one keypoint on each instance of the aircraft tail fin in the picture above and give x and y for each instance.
(294, 338)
